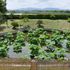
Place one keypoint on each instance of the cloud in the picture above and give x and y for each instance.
(16, 4)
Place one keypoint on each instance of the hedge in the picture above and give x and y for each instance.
(39, 16)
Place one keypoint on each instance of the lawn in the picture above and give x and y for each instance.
(51, 24)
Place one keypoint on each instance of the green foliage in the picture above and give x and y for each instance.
(33, 41)
(25, 19)
(41, 16)
(40, 24)
(11, 16)
(42, 39)
(2, 11)
(51, 44)
(17, 47)
(20, 38)
(52, 16)
(43, 45)
(19, 42)
(57, 37)
(8, 38)
(68, 20)
(34, 50)
(35, 33)
(3, 49)
(60, 53)
(3, 52)
(14, 24)
(1, 18)
(2, 6)
(26, 29)
(33, 37)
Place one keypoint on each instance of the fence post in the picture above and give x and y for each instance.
(33, 65)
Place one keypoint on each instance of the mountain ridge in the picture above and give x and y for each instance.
(31, 9)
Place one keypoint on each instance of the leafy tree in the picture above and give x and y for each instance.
(3, 6)
(2, 11)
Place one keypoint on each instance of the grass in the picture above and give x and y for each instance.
(52, 24)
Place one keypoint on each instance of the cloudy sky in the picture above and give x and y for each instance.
(17, 4)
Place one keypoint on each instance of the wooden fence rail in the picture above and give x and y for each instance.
(20, 64)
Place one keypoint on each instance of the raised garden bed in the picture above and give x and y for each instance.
(20, 64)
(49, 47)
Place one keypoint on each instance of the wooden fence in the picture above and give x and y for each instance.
(20, 64)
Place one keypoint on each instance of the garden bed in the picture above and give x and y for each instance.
(50, 49)
(37, 43)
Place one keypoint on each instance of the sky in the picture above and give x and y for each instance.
(18, 4)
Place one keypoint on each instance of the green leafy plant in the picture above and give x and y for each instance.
(33, 41)
(68, 45)
(3, 49)
(42, 40)
(42, 44)
(8, 38)
(17, 48)
(59, 53)
(57, 37)
(36, 32)
(19, 42)
(34, 50)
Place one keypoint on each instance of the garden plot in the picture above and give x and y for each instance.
(36, 44)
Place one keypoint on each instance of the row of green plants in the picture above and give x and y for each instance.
(42, 44)
(48, 45)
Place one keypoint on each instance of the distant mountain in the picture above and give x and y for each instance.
(31, 9)
(52, 9)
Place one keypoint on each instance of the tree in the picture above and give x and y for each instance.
(3, 6)
(3, 11)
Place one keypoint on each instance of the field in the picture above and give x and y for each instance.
(36, 42)
(47, 23)
(34, 38)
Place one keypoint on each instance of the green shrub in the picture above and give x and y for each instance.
(68, 45)
(68, 20)
(14, 24)
(40, 24)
